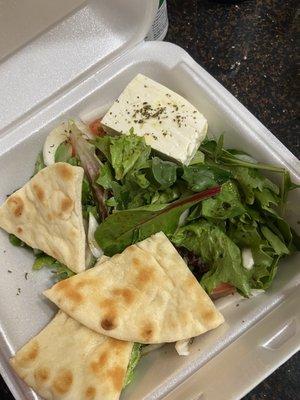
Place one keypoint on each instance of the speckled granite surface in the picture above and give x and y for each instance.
(249, 46)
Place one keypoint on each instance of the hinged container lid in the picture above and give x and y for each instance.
(46, 46)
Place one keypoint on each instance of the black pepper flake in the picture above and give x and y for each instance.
(110, 113)
(9, 271)
(70, 131)
(144, 103)
(18, 291)
(160, 122)
(4, 251)
(65, 130)
(117, 101)
(145, 86)
(26, 275)
(237, 305)
(194, 112)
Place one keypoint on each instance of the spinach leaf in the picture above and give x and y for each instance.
(198, 158)
(63, 152)
(226, 205)
(134, 359)
(216, 249)
(201, 176)
(123, 228)
(164, 172)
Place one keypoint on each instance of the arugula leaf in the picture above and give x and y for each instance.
(219, 148)
(250, 180)
(126, 227)
(125, 152)
(267, 201)
(39, 164)
(201, 176)
(164, 172)
(60, 270)
(105, 178)
(15, 241)
(286, 186)
(216, 249)
(278, 246)
(136, 354)
(226, 205)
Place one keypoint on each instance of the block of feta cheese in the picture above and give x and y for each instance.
(170, 124)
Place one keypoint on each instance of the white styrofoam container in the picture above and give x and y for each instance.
(77, 66)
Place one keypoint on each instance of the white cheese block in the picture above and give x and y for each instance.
(170, 124)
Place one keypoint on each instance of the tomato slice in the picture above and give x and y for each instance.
(223, 289)
(96, 128)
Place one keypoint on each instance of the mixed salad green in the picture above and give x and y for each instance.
(221, 212)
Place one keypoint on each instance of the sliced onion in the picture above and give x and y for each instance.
(151, 347)
(93, 245)
(57, 136)
(247, 258)
(182, 347)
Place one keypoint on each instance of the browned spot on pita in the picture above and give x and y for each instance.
(16, 205)
(41, 375)
(19, 230)
(136, 262)
(67, 204)
(30, 355)
(50, 217)
(130, 249)
(63, 381)
(108, 323)
(95, 282)
(97, 365)
(65, 172)
(144, 276)
(39, 192)
(69, 291)
(116, 375)
(147, 331)
(126, 294)
(207, 314)
(90, 393)
(190, 282)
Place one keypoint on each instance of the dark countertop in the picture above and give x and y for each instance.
(249, 47)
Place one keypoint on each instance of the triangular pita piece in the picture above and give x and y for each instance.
(68, 361)
(146, 294)
(46, 213)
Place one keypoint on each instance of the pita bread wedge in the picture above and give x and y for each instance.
(68, 361)
(46, 213)
(147, 294)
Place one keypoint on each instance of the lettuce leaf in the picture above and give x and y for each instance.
(216, 249)
(124, 152)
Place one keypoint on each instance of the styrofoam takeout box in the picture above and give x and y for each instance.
(80, 64)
